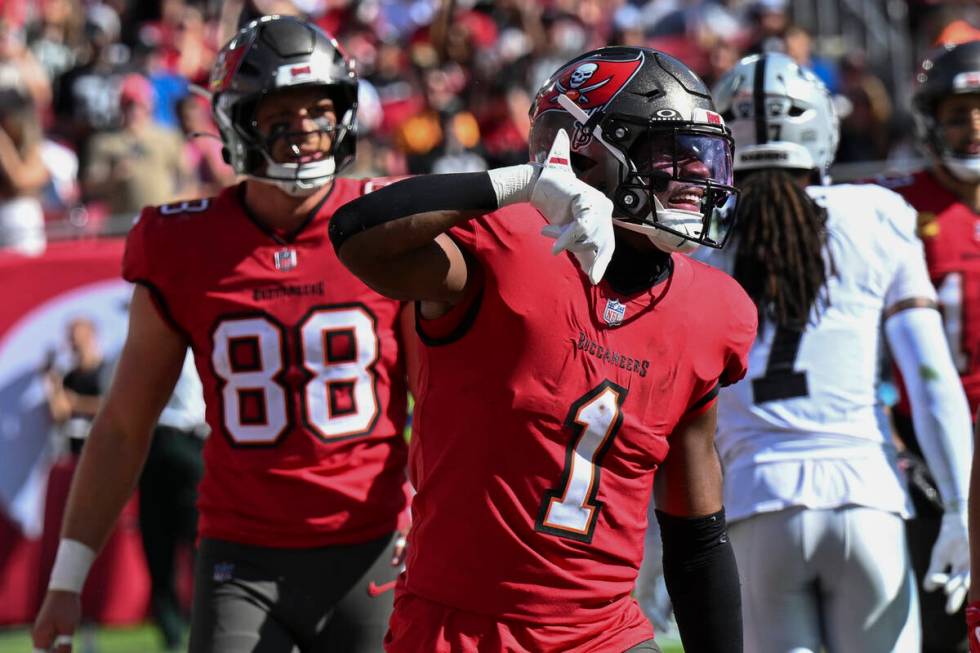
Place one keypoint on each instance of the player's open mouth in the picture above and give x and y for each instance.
(310, 157)
(686, 199)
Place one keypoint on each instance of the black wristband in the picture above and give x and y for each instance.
(465, 191)
(702, 579)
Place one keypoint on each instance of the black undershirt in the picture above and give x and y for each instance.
(632, 270)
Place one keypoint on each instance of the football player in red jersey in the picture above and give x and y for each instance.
(946, 105)
(304, 374)
(551, 386)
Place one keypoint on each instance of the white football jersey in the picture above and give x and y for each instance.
(804, 427)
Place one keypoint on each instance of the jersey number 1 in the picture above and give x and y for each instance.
(780, 380)
(338, 348)
(571, 509)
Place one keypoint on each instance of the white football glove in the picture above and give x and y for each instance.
(580, 215)
(951, 551)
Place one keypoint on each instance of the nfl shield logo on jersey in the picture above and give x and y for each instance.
(614, 313)
(285, 259)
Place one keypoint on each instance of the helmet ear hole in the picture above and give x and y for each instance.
(226, 155)
(631, 202)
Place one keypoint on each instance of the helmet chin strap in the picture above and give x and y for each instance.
(677, 219)
(673, 218)
(298, 179)
(581, 117)
(965, 169)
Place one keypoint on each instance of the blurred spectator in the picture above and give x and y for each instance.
(505, 126)
(86, 96)
(396, 85)
(768, 21)
(865, 129)
(190, 54)
(61, 194)
(73, 399)
(722, 56)
(56, 36)
(566, 37)
(19, 70)
(957, 31)
(208, 170)
(799, 45)
(443, 137)
(22, 174)
(139, 165)
(169, 87)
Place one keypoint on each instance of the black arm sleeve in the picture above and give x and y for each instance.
(702, 580)
(465, 191)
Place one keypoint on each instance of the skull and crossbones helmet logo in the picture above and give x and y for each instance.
(577, 80)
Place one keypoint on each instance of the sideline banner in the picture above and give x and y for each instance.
(41, 295)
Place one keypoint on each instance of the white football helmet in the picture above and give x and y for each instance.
(781, 115)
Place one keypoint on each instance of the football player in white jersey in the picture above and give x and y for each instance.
(814, 497)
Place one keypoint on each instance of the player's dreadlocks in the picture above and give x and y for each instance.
(782, 237)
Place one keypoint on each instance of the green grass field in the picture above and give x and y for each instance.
(140, 639)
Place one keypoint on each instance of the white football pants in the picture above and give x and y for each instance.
(837, 580)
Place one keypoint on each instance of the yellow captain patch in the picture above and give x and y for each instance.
(927, 225)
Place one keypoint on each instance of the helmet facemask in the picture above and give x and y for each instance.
(305, 173)
(673, 178)
(962, 162)
(949, 74)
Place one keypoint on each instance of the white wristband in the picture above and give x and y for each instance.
(71, 565)
(513, 184)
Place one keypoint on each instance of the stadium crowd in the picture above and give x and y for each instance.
(87, 86)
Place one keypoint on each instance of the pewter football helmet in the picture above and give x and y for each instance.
(627, 110)
(269, 54)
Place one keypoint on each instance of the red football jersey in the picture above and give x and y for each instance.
(303, 381)
(545, 406)
(950, 232)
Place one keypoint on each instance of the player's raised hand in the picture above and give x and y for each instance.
(949, 566)
(580, 216)
(56, 622)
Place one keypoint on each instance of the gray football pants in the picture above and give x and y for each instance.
(335, 599)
